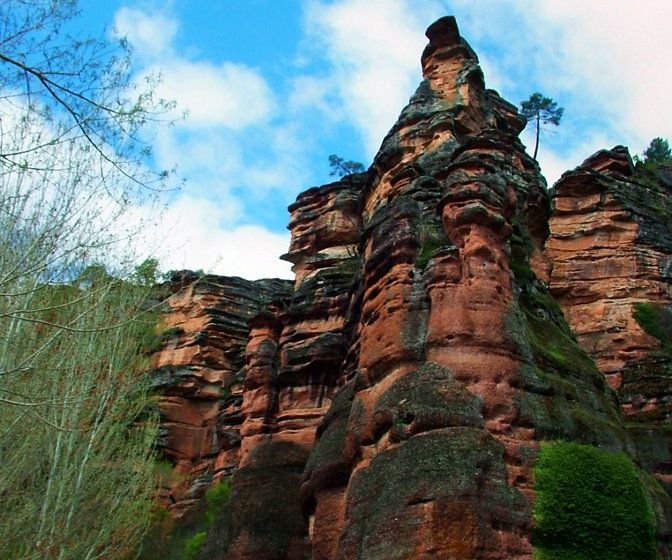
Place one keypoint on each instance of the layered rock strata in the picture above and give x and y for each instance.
(611, 249)
(292, 369)
(427, 452)
(391, 403)
(197, 375)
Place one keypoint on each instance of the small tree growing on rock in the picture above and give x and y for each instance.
(342, 168)
(541, 110)
(658, 151)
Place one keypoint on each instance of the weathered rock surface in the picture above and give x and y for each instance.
(611, 249)
(390, 404)
(428, 451)
(197, 375)
(293, 367)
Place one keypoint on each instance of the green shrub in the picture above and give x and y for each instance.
(152, 341)
(216, 497)
(193, 545)
(590, 504)
(171, 539)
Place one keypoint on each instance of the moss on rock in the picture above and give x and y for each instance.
(590, 504)
(656, 320)
(458, 470)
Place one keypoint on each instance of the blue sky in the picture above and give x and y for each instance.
(272, 87)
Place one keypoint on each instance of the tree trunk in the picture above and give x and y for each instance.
(536, 144)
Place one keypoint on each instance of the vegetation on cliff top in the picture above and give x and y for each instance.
(342, 168)
(656, 153)
(540, 110)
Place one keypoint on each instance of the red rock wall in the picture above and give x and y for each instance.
(610, 248)
(293, 367)
(196, 374)
(600, 266)
(427, 451)
(389, 405)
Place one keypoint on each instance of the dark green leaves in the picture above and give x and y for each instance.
(544, 108)
(342, 168)
(541, 110)
(658, 151)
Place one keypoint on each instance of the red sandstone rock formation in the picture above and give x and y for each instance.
(391, 405)
(606, 257)
(427, 452)
(196, 375)
(611, 248)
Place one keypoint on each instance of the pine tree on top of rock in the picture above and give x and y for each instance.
(658, 151)
(656, 160)
(541, 110)
(342, 168)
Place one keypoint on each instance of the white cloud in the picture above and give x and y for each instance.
(197, 236)
(607, 62)
(226, 143)
(215, 161)
(311, 92)
(226, 95)
(150, 35)
(195, 233)
(374, 46)
(213, 95)
(619, 53)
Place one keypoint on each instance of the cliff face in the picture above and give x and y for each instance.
(391, 403)
(428, 451)
(611, 248)
(197, 375)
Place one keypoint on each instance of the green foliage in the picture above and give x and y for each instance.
(216, 497)
(656, 320)
(76, 433)
(541, 110)
(521, 245)
(165, 474)
(171, 539)
(147, 272)
(92, 275)
(342, 168)
(193, 545)
(658, 151)
(76, 437)
(150, 341)
(431, 238)
(590, 504)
